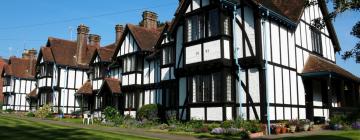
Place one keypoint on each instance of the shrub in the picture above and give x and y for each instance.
(149, 112)
(30, 114)
(76, 113)
(227, 124)
(9, 111)
(252, 126)
(44, 112)
(337, 119)
(239, 122)
(112, 115)
(212, 126)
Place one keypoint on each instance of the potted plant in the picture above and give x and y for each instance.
(283, 129)
(305, 125)
(278, 129)
(292, 125)
(254, 128)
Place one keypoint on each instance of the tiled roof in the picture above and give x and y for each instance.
(33, 93)
(146, 38)
(85, 89)
(291, 9)
(46, 54)
(316, 64)
(106, 52)
(2, 65)
(113, 84)
(20, 68)
(64, 52)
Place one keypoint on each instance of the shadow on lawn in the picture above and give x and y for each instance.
(43, 133)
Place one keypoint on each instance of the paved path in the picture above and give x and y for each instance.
(135, 132)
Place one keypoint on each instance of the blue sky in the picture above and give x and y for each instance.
(27, 24)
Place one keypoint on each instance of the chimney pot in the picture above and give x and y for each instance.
(150, 20)
(94, 40)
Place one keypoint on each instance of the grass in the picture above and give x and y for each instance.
(334, 135)
(18, 129)
(198, 135)
(70, 120)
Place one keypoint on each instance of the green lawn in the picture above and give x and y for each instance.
(14, 128)
(335, 135)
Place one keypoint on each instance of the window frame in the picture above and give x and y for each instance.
(316, 41)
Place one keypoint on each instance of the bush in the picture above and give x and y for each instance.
(44, 112)
(227, 124)
(9, 111)
(149, 112)
(212, 126)
(252, 126)
(112, 115)
(30, 114)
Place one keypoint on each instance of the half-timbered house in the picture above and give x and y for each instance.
(139, 75)
(62, 68)
(103, 87)
(19, 81)
(246, 58)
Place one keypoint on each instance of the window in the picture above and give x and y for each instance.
(7, 81)
(228, 88)
(6, 99)
(316, 41)
(129, 63)
(99, 72)
(167, 55)
(205, 88)
(206, 24)
(98, 102)
(227, 25)
(46, 70)
(213, 23)
(130, 100)
(195, 25)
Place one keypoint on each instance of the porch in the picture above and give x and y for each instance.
(329, 89)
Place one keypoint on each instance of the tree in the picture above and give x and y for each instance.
(341, 6)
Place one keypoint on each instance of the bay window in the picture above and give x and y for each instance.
(205, 88)
(207, 24)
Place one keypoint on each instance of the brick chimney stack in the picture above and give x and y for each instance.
(82, 33)
(150, 20)
(29, 54)
(94, 40)
(119, 30)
